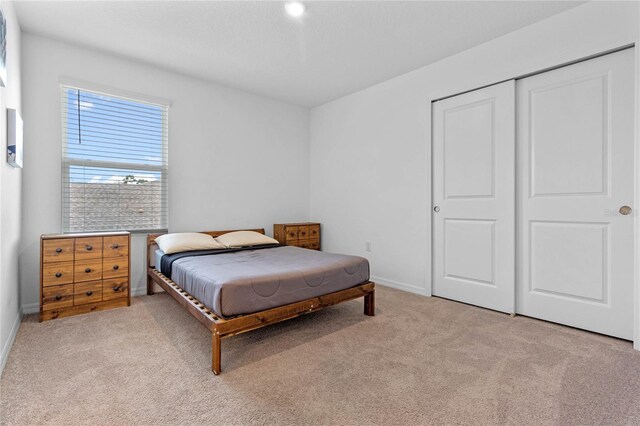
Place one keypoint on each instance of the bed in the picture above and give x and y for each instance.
(233, 291)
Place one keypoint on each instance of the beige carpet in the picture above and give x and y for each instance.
(419, 361)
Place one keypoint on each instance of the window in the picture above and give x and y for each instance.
(114, 162)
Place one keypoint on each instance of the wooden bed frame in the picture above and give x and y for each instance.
(226, 327)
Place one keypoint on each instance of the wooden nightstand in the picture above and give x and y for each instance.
(305, 235)
(82, 273)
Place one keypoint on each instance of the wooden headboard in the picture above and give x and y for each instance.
(151, 240)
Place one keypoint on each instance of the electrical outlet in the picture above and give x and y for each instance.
(367, 245)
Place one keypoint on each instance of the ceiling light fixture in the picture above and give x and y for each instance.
(295, 8)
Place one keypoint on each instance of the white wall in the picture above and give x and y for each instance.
(370, 151)
(235, 159)
(10, 195)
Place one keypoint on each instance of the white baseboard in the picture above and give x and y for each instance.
(4, 355)
(30, 308)
(140, 291)
(401, 286)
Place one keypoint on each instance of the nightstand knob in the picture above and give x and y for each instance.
(58, 250)
(58, 297)
(89, 293)
(115, 246)
(89, 248)
(87, 270)
(115, 267)
(58, 274)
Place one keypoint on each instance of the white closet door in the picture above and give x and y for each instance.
(474, 201)
(576, 175)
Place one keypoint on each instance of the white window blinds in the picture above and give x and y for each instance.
(114, 163)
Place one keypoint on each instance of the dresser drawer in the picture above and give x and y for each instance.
(87, 270)
(57, 250)
(115, 246)
(59, 296)
(314, 245)
(57, 273)
(115, 267)
(314, 232)
(88, 292)
(88, 248)
(115, 288)
(292, 233)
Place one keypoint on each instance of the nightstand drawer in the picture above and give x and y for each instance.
(57, 273)
(59, 296)
(115, 246)
(88, 292)
(115, 267)
(115, 288)
(88, 248)
(292, 233)
(57, 250)
(87, 270)
(303, 232)
(303, 243)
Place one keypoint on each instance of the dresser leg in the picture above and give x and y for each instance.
(370, 304)
(215, 353)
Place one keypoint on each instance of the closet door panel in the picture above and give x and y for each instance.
(473, 193)
(576, 172)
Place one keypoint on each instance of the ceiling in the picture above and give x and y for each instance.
(337, 48)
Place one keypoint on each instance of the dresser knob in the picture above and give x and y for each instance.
(87, 270)
(116, 288)
(89, 293)
(58, 274)
(115, 267)
(115, 246)
(58, 250)
(89, 248)
(58, 297)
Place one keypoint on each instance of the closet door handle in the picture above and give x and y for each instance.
(436, 209)
(625, 210)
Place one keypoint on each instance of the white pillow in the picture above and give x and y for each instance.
(186, 241)
(244, 239)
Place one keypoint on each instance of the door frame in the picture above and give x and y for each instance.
(429, 160)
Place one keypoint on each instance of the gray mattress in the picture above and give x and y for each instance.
(250, 281)
(158, 258)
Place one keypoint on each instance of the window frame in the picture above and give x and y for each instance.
(67, 163)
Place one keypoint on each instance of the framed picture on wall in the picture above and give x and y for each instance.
(14, 138)
(3, 50)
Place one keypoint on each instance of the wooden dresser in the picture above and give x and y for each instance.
(305, 235)
(81, 273)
